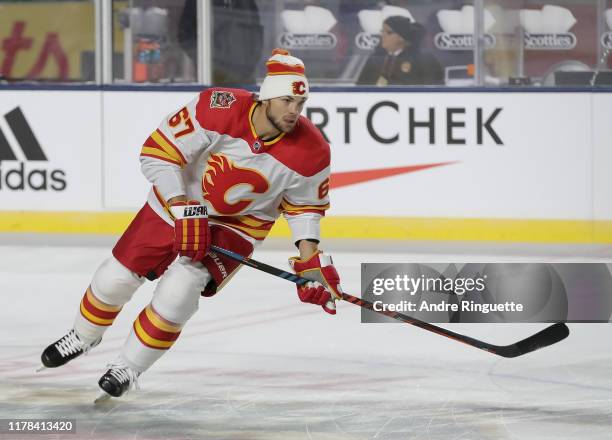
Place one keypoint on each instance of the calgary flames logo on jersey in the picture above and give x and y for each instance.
(221, 176)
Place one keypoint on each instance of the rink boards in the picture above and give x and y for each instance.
(411, 165)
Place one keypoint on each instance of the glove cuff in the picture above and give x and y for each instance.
(319, 267)
(190, 209)
(299, 265)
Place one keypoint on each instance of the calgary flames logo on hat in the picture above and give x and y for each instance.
(298, 87)
(223, 181)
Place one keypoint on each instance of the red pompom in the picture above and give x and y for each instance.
(279, 51)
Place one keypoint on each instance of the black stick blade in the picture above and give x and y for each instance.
(549, 336)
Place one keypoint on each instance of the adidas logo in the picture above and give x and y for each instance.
(25, 176)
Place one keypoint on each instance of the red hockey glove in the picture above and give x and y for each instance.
(325, 288)
(191, 233)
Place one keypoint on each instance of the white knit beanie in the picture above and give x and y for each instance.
(285, 77)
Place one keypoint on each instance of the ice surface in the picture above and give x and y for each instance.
(254, 363)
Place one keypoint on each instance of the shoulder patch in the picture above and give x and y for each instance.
(225, 111)
(221, 99)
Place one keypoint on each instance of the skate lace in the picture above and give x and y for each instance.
(124, 374)
(69, 344)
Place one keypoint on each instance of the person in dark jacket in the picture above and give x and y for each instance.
(399, 59)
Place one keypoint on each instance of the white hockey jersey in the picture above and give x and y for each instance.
(210, 152)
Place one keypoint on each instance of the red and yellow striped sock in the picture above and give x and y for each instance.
(97, 312)
(154, 331)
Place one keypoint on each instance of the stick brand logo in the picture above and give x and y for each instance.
(192, 211)
(23, 177)
(219, 264)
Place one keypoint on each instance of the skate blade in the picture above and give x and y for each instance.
(39, 369)
(102, 397)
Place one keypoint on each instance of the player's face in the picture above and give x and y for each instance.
(283, 112)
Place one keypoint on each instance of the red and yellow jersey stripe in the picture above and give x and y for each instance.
(154, 331)
(97, 312)
(162, 201)
(248, 224)
(160, 147)
(289, 208)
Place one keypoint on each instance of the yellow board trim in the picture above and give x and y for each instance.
(363, 228)
(65, 222)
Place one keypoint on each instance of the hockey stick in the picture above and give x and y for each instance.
(549, 336)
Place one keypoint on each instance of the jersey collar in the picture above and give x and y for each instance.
(264, 145)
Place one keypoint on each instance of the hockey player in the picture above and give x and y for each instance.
(223, 169)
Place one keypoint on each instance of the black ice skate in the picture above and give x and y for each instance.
(118, 380)
(64, 350)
